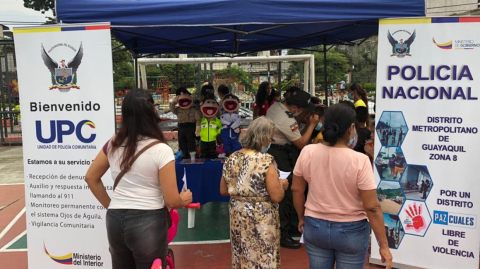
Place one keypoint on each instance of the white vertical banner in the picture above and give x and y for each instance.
(66, 98)
(427, 144)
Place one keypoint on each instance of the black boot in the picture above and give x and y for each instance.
(288, 242)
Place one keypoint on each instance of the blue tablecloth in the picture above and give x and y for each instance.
(203, 180)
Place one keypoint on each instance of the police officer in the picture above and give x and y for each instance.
(288, 141)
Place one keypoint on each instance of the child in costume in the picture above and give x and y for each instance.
(210, 127)
(231, 124)
(189, 119)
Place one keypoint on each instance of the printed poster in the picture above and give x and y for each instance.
(427, 143)
(66, 98)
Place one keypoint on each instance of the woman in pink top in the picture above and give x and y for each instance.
(341, 196)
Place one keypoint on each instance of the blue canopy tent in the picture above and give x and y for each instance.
(235, 27)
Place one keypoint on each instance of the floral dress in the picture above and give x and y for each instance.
(254, 219)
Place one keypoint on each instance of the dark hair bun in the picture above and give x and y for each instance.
(330, 134)
(338, 119)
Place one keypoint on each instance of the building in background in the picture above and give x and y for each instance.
(439, 8)
(6, 51)
(2, 27)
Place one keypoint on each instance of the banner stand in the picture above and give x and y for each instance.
(426, 141)
(395, 265)
(66, 96)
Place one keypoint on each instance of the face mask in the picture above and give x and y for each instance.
(319, 126)
(350, 96)
(297, 113)
(353, 142)
(265, 149)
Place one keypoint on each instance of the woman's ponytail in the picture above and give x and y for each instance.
(338, 119)
(363, 95)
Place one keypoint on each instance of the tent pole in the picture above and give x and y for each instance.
(143, 76)
(312, 75)
(205, 78)
(211, 73)
(306, 75)
(325, 72)
(279, 76)
(135, 60)
(268, 72)
(200, 60)
(300, 77)
(199, 71)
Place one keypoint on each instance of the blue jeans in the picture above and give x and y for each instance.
(137, 237)
(343, 243)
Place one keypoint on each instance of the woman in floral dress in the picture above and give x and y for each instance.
(250, 177)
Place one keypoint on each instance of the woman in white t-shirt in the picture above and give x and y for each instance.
(137, 219)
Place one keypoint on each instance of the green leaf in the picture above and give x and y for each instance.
(337, 66)
(237, 75)
(40, 5)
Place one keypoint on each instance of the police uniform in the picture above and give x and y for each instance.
(230, 123)
(188, 121)
(286, 154)
(286, 131)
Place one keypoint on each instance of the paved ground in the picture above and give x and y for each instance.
(11, 165)
(205, 246)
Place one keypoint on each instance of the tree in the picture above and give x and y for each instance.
(364, 60)
(179, 75)
(42, 6)
(337, 66)
(123, 70)
(233, 76)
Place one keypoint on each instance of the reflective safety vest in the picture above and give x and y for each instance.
(210, 129)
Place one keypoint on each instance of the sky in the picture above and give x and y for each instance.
(12, 11)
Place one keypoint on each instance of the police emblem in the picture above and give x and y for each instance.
(401, 48)
(64, 76)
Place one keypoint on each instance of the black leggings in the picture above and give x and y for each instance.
(137, 237)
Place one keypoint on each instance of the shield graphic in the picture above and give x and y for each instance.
(401, 48)
(63, 76)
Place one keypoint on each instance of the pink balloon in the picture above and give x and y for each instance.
(157, 264)
(173, 230)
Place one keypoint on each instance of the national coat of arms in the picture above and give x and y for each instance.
(401, 47)
(64, 75)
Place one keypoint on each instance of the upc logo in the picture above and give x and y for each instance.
(61, 128)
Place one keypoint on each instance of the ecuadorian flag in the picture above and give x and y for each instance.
(66, 259)
(91, 124)
(445, 46)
